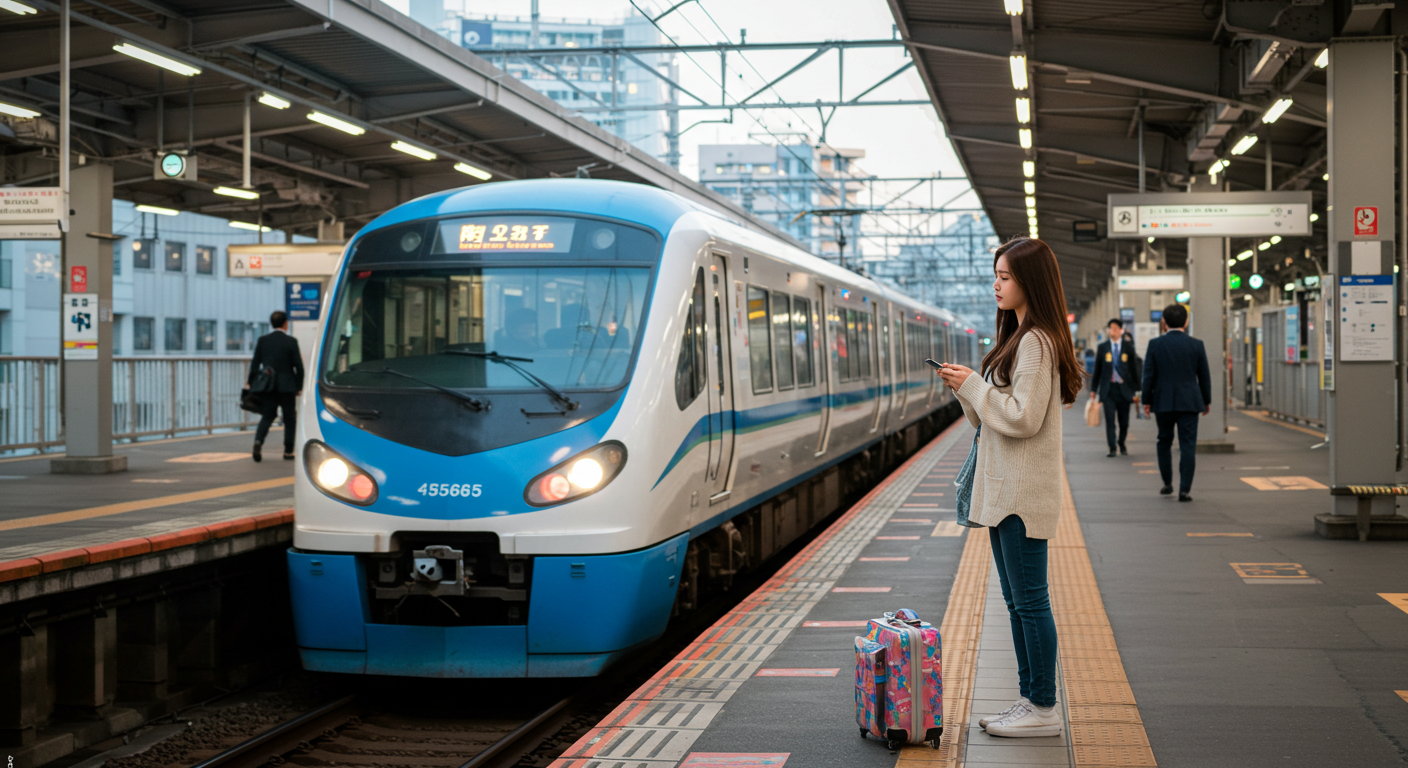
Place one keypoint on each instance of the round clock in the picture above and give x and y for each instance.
(173, 165)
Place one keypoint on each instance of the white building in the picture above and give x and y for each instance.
(171, 292)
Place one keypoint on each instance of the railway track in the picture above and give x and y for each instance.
(351, 732)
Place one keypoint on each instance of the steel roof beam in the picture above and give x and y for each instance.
(705, 48)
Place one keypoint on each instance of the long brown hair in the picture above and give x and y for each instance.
(1033, 266)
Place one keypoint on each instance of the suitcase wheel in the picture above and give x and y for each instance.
(892, 744)
(862, 733)
(934, 743)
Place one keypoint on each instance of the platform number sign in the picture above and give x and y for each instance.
(80, 312)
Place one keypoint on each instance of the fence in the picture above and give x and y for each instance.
(150, 397)
(1290, 390)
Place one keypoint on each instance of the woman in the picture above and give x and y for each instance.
(1030, 372)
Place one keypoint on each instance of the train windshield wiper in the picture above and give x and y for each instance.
(512, 362)
(474, 403)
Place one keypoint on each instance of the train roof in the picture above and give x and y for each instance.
(649, 206)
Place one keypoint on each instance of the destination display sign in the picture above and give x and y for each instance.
(506, 233)
(1210, 214)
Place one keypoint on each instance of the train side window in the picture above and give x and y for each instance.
(691, 373)
(759, 340)
(864, 332)
(802, 340)
(782, 339)
(852, 361)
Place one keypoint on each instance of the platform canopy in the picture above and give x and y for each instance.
(1203, 75)
(372, 70)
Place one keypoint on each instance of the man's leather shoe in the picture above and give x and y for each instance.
(1123, 451)
(257, 455)
(1184, 497)
(1166, 490)
(1110, 455)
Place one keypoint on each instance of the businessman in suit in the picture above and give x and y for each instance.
(278, 352)
(1178, 389)
(1116, 382)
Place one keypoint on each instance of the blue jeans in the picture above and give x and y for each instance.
(1021, 567)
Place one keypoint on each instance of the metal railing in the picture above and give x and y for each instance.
(151, 397)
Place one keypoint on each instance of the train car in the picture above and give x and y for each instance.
(546, 416)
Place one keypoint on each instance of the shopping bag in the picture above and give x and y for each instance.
(1092, 412)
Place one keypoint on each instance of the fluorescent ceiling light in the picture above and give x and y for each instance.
(1314, 217)
(1231, 262)
(1325, 177)
(1274, 112)
(270, 100)
(1031, 222)
(14, 7)
(250, 227)
(157, 209)
(1263, 246)
(1323, 60)
(1218, 165)
(478, 173)
(1290, 286)
(1275, 239)
(1031, 213)
(1031, 201)
(1244, 255)
(1014, 7)
(11, 109)
(1244, 144)
(243, 194)
(1024, 110)
(1029, 187)
(1029, 168)
(1019, 70)
(332, 122)
(1024, 137)
(413, 150)
(1151, 239)
(172, 65)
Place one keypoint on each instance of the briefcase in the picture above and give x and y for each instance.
(252, 402)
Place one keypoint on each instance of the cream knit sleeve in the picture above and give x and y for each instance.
(1021, 412)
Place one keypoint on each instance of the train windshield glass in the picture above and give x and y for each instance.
(574, 327)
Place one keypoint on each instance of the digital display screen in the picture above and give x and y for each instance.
(506, 233)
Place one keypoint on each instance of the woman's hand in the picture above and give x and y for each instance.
(954, 375)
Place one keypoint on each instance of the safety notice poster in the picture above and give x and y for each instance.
(1366, 318)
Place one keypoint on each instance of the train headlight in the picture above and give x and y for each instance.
(581, 475)
(336, 476)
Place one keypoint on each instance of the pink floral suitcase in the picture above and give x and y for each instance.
(870, 687)
(912, 684)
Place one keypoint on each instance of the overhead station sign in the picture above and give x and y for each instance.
(306, 260)
(1210, 214)
(30, 213)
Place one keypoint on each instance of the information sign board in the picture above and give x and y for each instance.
(80, 312)
(1209, 214)
(308, 260)
(1293, 334)
(30, 205)
(1164, 281)
(303, 301)
(1366, 318)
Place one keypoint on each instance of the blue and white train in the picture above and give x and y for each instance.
(546, 416)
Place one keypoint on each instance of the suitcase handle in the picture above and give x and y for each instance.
(891, 617)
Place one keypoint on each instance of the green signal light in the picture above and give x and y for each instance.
(1234, 282)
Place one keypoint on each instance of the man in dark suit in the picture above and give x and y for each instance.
(278, 352)
(1178, 388)
(1116, 382)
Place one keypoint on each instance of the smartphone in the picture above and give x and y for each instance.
(935, 365)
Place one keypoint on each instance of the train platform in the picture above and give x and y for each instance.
(170, 485)
(1219, 632)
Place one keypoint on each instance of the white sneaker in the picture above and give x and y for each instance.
(1028, 720)
(983, 722)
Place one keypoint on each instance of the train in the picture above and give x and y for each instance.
(546, 416)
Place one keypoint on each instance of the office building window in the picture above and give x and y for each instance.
(175, 257)
(205, 335)
(142, 252)
(116, 259)
(234, 335)
(175, 334)
(205, 259)
(142, 333)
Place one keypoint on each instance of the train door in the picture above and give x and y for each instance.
(870, 347)
(720, 389)
(821, 344)
(902, 364)
(885, 377)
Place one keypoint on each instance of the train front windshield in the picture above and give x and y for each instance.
(438, 303)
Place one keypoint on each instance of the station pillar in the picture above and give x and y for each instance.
(1361, 423)
(87, 371)
(1207, 270)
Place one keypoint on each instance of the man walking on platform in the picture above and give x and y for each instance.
(1178, 388)
(1114, 382)
(276, 375)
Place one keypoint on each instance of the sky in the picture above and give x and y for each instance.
(898, 140)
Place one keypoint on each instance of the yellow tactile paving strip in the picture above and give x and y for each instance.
(960, 631)
(1105, 728)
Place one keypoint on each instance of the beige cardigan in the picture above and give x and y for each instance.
(1019, 456)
